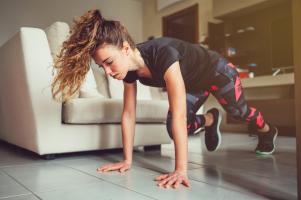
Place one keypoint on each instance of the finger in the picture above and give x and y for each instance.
(161, 177)
(164, 181)
(186, 182)
(171, 182)
(113, 167)
(123, 169)
(177, 183)
(109, 169)
(102, 168)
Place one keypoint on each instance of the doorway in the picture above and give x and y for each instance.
(183, 25)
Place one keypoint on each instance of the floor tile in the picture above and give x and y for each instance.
(232, 172)
(22, 197)
(93, 191)
(9, 187)
(271, 188)
(141, 180)
(12, 155)
(89, 166)
(45, 177)
(198, 190)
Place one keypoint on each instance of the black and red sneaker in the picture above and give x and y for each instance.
(266, 141)
(212, 133)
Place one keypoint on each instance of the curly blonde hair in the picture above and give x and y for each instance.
(88, 33)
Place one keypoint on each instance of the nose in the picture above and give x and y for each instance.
(108, 71)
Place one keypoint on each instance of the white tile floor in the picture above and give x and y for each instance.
(233, 172)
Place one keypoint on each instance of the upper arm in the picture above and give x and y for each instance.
(129, 97)
(176, 90)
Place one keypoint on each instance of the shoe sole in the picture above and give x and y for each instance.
(271, 152)
(198, 131)
(219, 120)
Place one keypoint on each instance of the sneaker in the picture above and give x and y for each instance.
(198, 131)
(194, 129)
(212, 133)
(266, 141)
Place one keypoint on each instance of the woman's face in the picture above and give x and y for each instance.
(113, 60)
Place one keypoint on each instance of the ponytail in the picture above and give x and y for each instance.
(88, 33)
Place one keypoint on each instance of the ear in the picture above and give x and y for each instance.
(126, 48)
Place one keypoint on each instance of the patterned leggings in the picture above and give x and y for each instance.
(226, 87)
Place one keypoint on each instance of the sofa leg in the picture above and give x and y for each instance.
(152, 148)
(49, 156)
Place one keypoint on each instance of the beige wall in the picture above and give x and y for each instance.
(41, 13)
(222, 7)
(152, 19)
(297, 62)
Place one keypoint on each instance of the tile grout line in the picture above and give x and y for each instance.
(13, 196)
(24, 164)
(107, 181)
(33, 193)
(219, 186)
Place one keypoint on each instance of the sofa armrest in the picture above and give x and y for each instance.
(25, 79)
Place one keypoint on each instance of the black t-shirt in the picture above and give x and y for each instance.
(196, 63)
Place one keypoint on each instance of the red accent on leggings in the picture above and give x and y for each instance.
(237, 88)
(223, 101)
(259, 120)
(251, 113)
(214, 88)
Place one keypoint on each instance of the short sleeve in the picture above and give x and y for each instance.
(130, 77)
(165, 57)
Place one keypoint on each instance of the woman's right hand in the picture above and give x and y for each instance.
(120, 166)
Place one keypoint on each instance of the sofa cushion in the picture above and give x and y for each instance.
(100, 79)
(89, 87)
(57, 33)
(98, 110)
(116, 89)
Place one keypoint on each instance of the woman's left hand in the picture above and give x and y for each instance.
(173, 179)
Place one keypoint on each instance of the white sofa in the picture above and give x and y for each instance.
(31, 119)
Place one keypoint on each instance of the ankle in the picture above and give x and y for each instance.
(208, 119)
(265, 129)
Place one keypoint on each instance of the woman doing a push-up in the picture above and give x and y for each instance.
(189, 72)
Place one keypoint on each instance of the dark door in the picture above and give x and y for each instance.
(216, 36)
(182, 25)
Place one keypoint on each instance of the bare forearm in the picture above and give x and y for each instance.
(179, 131)
(128, 132)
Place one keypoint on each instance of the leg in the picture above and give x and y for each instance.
(228, 91)
(193, 103)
